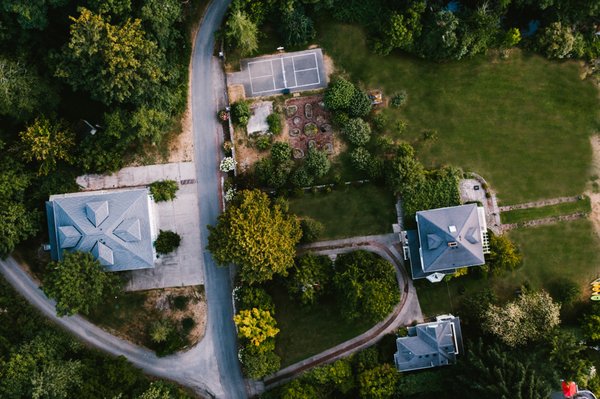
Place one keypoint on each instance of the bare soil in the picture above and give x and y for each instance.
(595, 197)
(302, 112)
(236, 93)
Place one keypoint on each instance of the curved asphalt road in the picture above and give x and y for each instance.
(211, 368)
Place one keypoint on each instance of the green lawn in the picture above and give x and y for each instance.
(523, 123)
(565, 208)
(349, 211)
(550, 254)
(306, 332)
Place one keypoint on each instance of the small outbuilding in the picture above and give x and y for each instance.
(429, 345)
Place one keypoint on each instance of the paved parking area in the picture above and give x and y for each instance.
(272, 74)
(183, 267)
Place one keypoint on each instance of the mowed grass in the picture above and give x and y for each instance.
(523, 123)
(551, 253)
(349, 211)
(306, 332)
(565, 208)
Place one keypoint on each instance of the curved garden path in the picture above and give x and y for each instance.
(407, 311)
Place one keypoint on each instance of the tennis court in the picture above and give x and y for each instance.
(270, 75)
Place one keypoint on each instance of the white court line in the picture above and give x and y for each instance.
(283, 73)
(273, 75)
(289, 87)
(307, 69)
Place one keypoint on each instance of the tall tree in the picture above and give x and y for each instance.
(241, 32)
(379, 382)
(16, 221)
(113, 63)
(31, 14)
(310, 277)
(257, 236)
(22, 91)
(255, 325)
(78, 283)
(492, 372)
(47, 142)
(531, 317)
(365, 285)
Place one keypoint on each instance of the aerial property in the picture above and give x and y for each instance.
(446, 239)
(117, 227)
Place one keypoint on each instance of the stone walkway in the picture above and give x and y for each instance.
(407, 311)
(538, 204)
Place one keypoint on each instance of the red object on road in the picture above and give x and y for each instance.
(569, 389)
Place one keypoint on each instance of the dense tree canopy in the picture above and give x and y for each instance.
(310, 278)
(365, 285)
(78, 283)
(241, 32)
(114, 63)
(255, 235)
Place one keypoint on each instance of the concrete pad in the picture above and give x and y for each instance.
(182, 267)
(258, 120)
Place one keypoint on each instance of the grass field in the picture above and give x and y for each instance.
(349, 211)
(550, 253)
(523, 123)
(306, 332)
(565, 208)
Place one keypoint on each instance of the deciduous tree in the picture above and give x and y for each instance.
(529, 318)
(357, 131)
(78, 283)
(256, 235)
(310, 278)
(255, 325)
(47, 142)
(113, 63)
(379, 382)
(241, 32)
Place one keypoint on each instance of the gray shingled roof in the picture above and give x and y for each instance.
(450, 238)
(115, 226)
(429, 345)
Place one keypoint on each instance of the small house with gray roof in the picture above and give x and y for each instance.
(446, 239)
(117, 227)
(429, 345)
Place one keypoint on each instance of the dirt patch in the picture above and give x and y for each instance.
(162, 300)
(329, 66)
(595, 196)
(181, 146)
(134, 324)
(236, 93)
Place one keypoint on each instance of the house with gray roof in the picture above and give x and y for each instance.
(118, 227)
(446, 239)
(429, 345)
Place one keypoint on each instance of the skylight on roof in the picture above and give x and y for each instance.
(452, 228)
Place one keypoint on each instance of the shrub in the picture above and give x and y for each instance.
(360, 104)
(360, 158)
(275, 125)
(240, 113)
(379, 122)
(399, 99)
(357, 131)
(263, 142)
(281, 152)
(317, 163)
(311, 230)
(227, 164)
(556, 41)
(257, 364)
(565, 291)
(187, 324)
(164, 190)
(227, 147)
(180, 302)
(430, 135)
(167, 242)
(160, 330)
(223, 115)
(301, 178)
(339, 94)
(248, 297)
